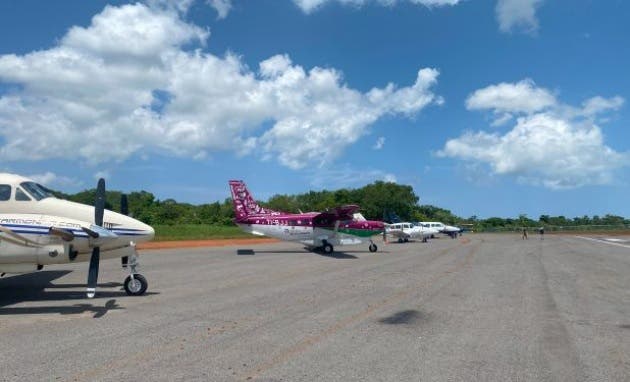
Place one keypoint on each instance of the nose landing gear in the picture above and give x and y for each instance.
(135, 283)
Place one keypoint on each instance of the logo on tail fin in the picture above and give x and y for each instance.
(244, 203)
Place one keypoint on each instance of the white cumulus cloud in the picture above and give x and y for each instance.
(380, 142)
(222, 7)
(597, 104)
(126, 85)
(521, 97)
(517, 15)
(552, 145)
(308, 6)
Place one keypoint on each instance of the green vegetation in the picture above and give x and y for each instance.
(197, 232)
(379, 201)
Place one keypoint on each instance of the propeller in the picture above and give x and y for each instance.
(124, 209)
(99, 211)
(124, 204)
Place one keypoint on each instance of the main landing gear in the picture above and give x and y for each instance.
(135, 283)
(328, 248)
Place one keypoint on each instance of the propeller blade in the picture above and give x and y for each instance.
(93, 272)
(99, 204)
(99, 211)
(124, 204)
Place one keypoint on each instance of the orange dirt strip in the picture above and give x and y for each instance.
(203, 243)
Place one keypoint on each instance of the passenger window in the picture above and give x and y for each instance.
(5, 192)
(21, 196)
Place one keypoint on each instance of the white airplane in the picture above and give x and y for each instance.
(442, 228)
(404, 231)
(37, 229)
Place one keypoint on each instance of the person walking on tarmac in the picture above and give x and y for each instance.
(541, 231)
(525, 234)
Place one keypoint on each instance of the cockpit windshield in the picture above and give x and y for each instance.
(37, 191)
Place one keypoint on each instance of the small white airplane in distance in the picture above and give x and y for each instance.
(337, 226)
(404, 231)
(442, 228)
(37, 229)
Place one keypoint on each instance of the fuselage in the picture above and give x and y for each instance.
(27, 213)
(410, 230)
(20, 195)
(311, 228)
(440, 227)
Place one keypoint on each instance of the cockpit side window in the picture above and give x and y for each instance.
(21, 196)
(5, 192)
(38, 192)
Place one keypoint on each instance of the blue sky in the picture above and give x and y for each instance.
(487, 108)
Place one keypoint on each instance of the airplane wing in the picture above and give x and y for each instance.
(398, 233)
(332, 215)
(344, 212)
(16, 238)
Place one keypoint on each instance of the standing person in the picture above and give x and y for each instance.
(542, 233)
(525, 234)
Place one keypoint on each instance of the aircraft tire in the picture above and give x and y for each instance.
(138, 287)
(373, 247)
(328, 248)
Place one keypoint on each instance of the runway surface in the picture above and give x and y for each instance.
(477, 308)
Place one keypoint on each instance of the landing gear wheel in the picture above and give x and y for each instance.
(328, 248)
(373, 247)
(136, 286)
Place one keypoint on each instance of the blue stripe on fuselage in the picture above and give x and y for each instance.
(44, 230)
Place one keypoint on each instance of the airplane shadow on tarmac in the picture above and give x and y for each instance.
(334, 255)
(39, 287)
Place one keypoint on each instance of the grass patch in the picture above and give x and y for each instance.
(197, 232)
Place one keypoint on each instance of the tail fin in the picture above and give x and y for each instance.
(244, 203)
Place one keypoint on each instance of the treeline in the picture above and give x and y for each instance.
(378, 201)
(549, 222)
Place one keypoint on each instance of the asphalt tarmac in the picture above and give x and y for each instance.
(476, 308)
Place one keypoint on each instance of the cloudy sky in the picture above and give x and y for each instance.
(487, 108)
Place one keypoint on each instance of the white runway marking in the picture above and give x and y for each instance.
(605, 241)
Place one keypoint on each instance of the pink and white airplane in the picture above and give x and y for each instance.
(321, 230)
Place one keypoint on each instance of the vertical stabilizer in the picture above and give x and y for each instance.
(244, 203)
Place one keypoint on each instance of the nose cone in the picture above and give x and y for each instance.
(149, 232)
(129, 228)
(141, 232)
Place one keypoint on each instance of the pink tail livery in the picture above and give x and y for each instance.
(244, 204)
